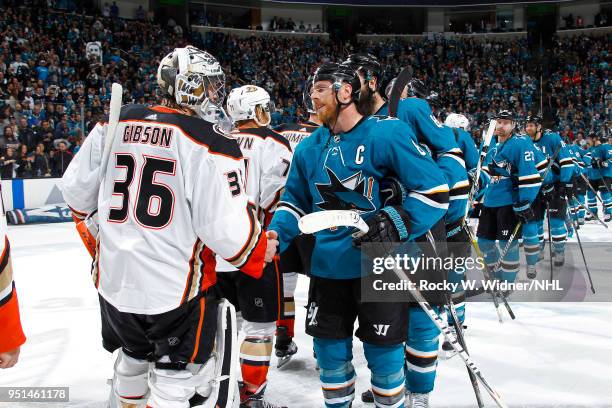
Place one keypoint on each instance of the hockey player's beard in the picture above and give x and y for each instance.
(366, 102)
(329, 115)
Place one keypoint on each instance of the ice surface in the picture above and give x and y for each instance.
(553, 355)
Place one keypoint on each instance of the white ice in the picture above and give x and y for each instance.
(553, 355)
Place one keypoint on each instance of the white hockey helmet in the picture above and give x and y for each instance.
(242, 103)
(193, 77)
(457, 120)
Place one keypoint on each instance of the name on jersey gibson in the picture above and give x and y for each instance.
(160, 136)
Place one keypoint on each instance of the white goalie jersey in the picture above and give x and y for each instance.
(267, 157)
(172, 197)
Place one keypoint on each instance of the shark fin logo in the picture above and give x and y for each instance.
(347, 194)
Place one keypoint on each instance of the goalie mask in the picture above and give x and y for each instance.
(457, 120)
(193, 78)
(250, 102)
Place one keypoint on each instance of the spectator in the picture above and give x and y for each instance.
(60, 159)
(114, 10)
(8, 164)
(24, 163)
(8, 139)
(41, 162)
(140, 13)
(26, 134)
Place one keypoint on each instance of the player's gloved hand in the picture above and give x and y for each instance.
(476, 209)
(523, 211)
(566, 190)
(390, 225)
(596, 163)
(392, 191)
(547, 191)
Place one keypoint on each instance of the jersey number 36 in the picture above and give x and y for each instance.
(154, 201)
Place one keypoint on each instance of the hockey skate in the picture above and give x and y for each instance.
(589, 217)
(419, 400)
(368, 397)
(256, 400)
(581, 221)
(285, 347)
(448, 351)
(531, 271)
(607, 218)
(559, 258)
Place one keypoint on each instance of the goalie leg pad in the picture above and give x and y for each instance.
(215, 380)
(173, 388)
(130, 380)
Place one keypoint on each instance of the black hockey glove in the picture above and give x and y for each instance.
(388, 227)
(547, 192)
(392, 191)
(566, 190)
(523, 211)
(597, 163)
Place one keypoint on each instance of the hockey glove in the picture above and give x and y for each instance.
(389, 226)
(566, 190)
(523, 211)
(392, 191)
(597, 163)
(547, 192)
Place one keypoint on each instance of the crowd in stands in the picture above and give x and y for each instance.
(51, 95)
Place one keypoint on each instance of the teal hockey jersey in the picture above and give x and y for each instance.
(342, 172)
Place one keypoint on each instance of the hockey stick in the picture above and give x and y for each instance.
(581, 250)
(495, 293)
(398, 87)
(592, 189)
(424, 304)
(504, 252)
(605, 183)
(113, 121)
(591, 213)
(488, 136)
(458, 329)
(321, 220)
(550, 251)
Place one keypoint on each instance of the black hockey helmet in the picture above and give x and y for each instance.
(417, 88)
(534, 119)
(368, 65)
(435, 100)
(338, 74)
(306, 100)
(505, 114)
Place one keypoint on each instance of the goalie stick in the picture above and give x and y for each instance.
(113, 121)
(318, 221)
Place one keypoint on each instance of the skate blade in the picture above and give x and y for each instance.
(283, 361)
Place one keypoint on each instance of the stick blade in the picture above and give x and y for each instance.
(321, 220)
(396, 92)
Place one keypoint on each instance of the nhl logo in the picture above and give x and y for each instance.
(173, 341)
(259, 302)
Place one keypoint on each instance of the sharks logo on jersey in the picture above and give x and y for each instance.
(352, 192)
